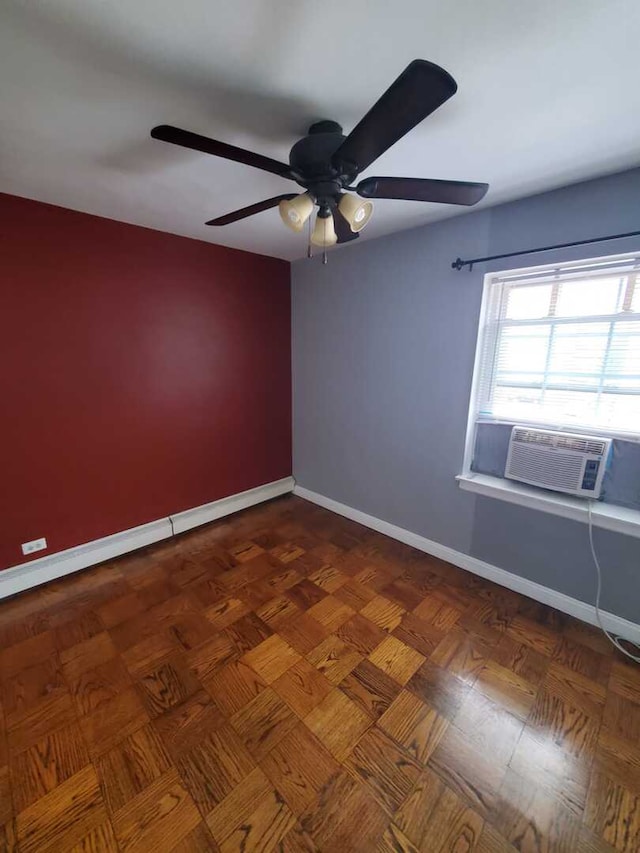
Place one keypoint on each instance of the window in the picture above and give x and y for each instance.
(560, 346)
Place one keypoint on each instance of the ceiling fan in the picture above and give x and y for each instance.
(326, 163)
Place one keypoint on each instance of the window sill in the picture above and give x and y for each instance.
(619, 519)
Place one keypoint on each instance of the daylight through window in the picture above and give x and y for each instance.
(561, 347)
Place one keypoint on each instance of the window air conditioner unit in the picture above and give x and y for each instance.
(561, 461)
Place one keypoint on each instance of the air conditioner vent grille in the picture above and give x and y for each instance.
(557, 469)
(559, 440)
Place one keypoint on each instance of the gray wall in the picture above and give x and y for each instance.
(382, 377)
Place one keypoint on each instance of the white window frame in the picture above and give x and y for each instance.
(608, 516)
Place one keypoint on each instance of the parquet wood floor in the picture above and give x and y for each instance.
(288, 680)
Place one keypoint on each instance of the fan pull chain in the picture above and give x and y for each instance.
(324, 248)
(309, 249)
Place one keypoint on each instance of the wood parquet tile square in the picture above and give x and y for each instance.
(564, 777)
(624, 680)
(189, 723)
(303, 633)
(438, 688)
(585, 661)
(213, 767)
(233, 686)
(23, 689)
(396, 659)
(225, 612)
(387, 769)
(334, 658)
(524, 814)
(270, 820)
(344, 816)
(331, 612)
(38, 720)
(63, 816)
(263, 722)
(355, 594)
(302, 687)
(619, 759)
(158, 818)
(191, 630)
(305, 594)
(361, 634)
(338, 723)
(521, 660)
(205, 659)
(287, 680)
(113, 721)
(168, 685)
(566, 724)
(271, 658)
(26, 654)
(621, 717)
(414, 725)
(232, 811)
(413, 818)
(420, 635)
(298, 767)
(277, 611)
(45, 765)
(145, 656)
(370, 688)
(488, 727)
(248, 632)
(131, 766)
(75, 628)
(95, 686)
(514, 693)
(461, 655)
(384, 613)
(474, 774)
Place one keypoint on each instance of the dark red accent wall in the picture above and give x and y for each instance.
(140, 374)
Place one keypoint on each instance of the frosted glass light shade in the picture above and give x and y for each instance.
(324, 232)
(356, 211)
(295, 212)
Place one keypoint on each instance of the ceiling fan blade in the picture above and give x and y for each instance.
(423, 189)
(343, 229)
(419, 90)
(258, 207)
(186, 139)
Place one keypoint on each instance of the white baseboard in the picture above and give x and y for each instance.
(544, 594)
(39, 571)
(183, 521)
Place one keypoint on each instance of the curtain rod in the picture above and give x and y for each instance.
(458, 264)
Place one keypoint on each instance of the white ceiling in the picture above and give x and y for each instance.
(548, 95)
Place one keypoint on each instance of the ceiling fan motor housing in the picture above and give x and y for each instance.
(310, 160)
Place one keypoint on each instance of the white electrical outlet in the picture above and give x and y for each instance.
(34, 545)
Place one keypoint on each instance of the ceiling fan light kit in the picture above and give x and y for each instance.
(356, 212)
(324, 232)
(325, 162)
(295, 212)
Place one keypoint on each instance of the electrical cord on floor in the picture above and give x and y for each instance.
(612, 638)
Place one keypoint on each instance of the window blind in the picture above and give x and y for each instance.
(560, 346)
